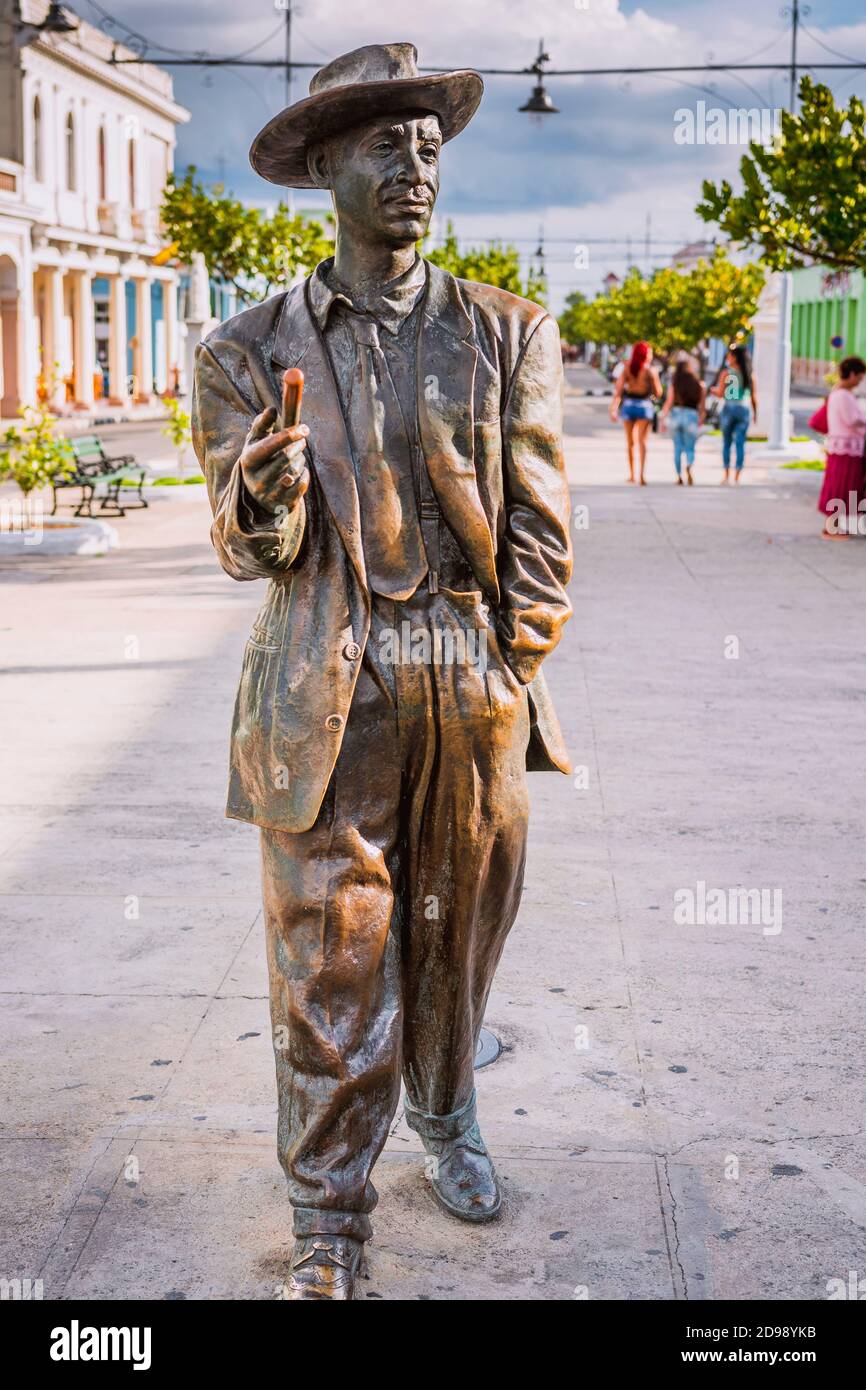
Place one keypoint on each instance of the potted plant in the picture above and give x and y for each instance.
(34, 454)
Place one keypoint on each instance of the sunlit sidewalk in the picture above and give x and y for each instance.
(677, 1109)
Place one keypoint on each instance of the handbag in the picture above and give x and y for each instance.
(819, 422)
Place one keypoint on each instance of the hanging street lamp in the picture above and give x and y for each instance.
(539, 103)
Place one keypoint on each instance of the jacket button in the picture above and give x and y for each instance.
(334, 722)
(351, 651)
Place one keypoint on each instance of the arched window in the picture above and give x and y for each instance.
(131, 169)
(37, 139)
(71, 173)
(101, 158)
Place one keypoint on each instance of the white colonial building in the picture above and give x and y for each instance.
(87, 312)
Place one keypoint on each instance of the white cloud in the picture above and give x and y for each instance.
(594, 170)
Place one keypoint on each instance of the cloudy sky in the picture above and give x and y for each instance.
(605, 173)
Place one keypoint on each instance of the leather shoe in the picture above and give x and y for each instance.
(325, 1266)
(463, 1179)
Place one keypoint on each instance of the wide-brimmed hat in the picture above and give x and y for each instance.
(368, 82)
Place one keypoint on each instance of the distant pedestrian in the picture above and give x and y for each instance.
(736, 386)
(843, 488)
(633, 401)
(684, 409)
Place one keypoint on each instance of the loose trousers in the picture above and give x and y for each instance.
(386, 920)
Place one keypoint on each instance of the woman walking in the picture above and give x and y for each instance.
(684, 408)
(632, 400)
(736, 384)
(843, 487)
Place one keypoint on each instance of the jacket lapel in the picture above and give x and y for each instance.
(298, 343)
(446, 390)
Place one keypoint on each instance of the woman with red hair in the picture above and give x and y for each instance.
(632, 401)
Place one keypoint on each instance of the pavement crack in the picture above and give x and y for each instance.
(674, 1253)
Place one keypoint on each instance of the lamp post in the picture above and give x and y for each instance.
(780, 424)
(55, 22)
(779, 446)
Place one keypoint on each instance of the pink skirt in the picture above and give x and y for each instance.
(843, 484)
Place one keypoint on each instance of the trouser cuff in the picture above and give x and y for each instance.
(441, 1126)
(313, 1221)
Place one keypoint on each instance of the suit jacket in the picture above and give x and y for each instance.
(490, 414)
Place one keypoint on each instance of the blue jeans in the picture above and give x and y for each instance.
(684, 433)
(734, 420)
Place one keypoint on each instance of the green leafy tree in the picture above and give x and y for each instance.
(803, 199)
(675, 310)
(290, 245)
(718, 299)
(571, 320)
(241, 245)
(490, 265)
(35, 454)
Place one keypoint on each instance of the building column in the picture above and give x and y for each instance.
(83, 338)
(772, 366)
(10, 353)
(169, 314)
(198, 318)
(118, 377)
(143, 355)
(52, 366)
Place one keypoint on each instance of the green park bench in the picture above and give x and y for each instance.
(94, 469)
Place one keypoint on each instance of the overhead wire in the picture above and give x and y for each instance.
(156, 47)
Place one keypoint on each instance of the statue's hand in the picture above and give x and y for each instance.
(274, 471)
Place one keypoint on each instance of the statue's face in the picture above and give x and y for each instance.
(384, 177)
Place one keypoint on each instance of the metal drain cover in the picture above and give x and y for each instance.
(488, 1049)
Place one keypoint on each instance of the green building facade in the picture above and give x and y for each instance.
(827, 305)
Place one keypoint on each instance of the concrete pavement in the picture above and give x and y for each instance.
(678, 1111)
(595, 452)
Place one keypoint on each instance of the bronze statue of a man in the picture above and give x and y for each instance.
(415, 532)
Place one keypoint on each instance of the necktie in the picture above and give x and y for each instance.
(393, 544)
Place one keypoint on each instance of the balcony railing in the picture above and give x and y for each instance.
(107, 215)
(144, 224)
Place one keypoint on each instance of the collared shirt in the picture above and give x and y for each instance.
(397, 308)
(390, 306)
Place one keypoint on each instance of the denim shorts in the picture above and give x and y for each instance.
(632, 409)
